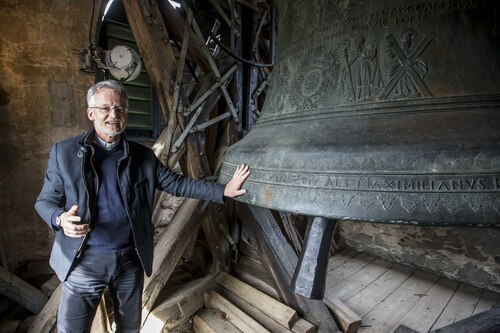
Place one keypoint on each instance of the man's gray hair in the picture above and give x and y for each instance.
(108, 84)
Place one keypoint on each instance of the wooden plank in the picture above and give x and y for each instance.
(281, 313)
(303, 326)
(45, 322)
(213, 321)
(461, 305)
(376, 292)
(178, 308)
(340, 258)
(348, 320)
(256, 313)
(238, 318)
(50, 285)
(46, 319)
(386, 316)
(487, 301)
(360, 280)
(424, 314)
(346, 269)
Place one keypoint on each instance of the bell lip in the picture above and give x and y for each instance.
(414, 209)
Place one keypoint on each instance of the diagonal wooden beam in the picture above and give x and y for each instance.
(281, 260)
(21, 291)
(169, 249)
(174, 23)
(154, 45)
(46, 319)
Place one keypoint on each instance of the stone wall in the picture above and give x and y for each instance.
(42, 100)
(471, 255)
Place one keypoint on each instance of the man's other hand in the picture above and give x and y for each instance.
(72, 224)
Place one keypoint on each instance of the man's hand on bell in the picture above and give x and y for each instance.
(233, 187)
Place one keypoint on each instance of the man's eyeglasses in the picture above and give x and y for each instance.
(107, 109)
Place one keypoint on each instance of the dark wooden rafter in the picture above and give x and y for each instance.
(153, 41)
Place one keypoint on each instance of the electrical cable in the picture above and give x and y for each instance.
(225, 48)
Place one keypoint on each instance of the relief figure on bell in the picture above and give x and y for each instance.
(366, 70)
(360, 77)
(414, 69)
(346, 82)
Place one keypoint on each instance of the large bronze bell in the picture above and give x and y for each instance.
(385, 111)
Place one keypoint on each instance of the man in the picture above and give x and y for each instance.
(97, 197)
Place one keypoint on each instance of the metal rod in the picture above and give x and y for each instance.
(210, 90)
(201, 127)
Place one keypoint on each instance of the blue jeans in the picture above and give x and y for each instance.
(122, 272)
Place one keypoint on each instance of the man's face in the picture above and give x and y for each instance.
(105, 113)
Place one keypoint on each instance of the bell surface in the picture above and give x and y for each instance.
(384, 111)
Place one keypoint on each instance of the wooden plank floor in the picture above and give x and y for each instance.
(386, 294)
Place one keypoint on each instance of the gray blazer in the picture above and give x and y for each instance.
(71, 179)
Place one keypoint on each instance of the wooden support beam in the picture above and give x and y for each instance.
(303, 326)
(291, 231)
(347, 319)
(214, 228)
(179, 307)
(248, 305)
(174, 23)
(213, 321)
(46, 319)
(281, 260)
(172, 116)
(169, 249)
(279, 312)
(237, 317)
(153, 41)
(21, 291)
(254, 312)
